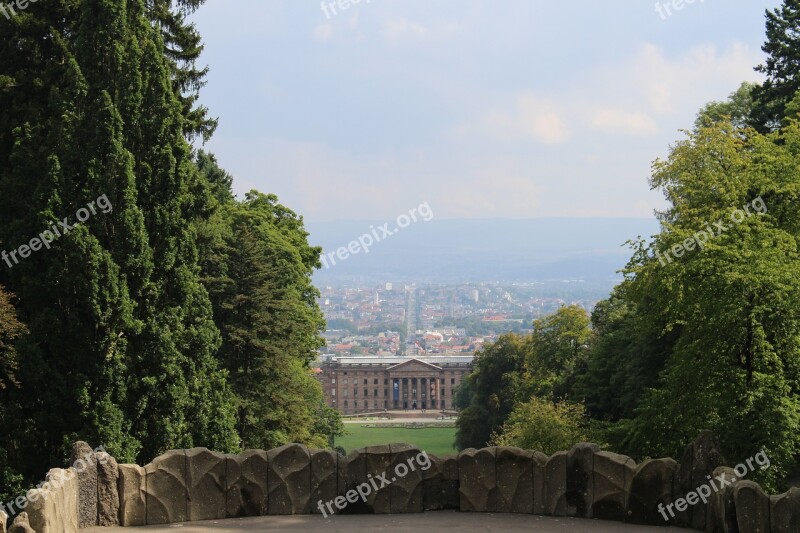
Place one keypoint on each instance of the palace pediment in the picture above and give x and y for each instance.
(414, 366)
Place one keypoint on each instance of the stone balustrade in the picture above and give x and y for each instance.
(584, 482)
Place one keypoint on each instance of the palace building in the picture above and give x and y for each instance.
(361, 384)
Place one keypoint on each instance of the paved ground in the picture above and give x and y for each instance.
(410, 523)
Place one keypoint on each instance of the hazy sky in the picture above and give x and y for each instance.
(512, 108)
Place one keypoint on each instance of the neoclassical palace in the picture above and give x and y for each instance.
(361, 384)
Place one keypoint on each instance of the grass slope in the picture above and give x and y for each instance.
(438, 441)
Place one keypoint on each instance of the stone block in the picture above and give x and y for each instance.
(440, 488)
(514, 480)
(555, 485)
(54, 507)
(752, 507)
(247, 490)
(580, 481)
(165, 488)
(21, 524)
(3, 521)
(206, 484)
(132, 489)
(477, 480)
(721, 513)
(612, 479)
(539, 484)
(289, 480)
(107, 490)
(379, 461)
(407, 468)
(84, 460)
(785, 511)
(699, 460)
(651, 487)
(324, 477)
(352, 473)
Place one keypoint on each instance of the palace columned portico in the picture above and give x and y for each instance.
(368, 383)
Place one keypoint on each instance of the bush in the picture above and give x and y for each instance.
(544, 426)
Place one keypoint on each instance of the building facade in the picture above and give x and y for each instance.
(362, 384)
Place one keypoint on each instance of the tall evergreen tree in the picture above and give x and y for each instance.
(258, 272)
(122, 339)
(782, 67)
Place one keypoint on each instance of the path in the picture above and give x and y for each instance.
(449, 521)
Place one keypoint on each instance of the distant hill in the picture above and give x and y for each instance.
(482, 250)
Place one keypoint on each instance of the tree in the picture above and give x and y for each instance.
(782, 67)
(496, 382)
(730, 302)
(11, 329)
(737, 109)
(544, 426)
(558, 348)
(629, 351)
(182, 47)
(258, 272)
(124, 337)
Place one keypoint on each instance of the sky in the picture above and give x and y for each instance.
(484, 109)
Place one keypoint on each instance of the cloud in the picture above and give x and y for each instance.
(323, 32)
(668, 85)
(618, 121)
(529, 118)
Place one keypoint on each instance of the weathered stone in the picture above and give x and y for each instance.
(132, 489)
(440, 488)
(289, 480)
(477, 480)
(555, 485)
(107, 490)
(324, 477)
(721, 513)
(84, 460)
(54, 507)
(379, 461)
(247, 490)
(612, 479)
(651, 487)
(406, 492)
(752, 507)
(3, 520)
(352, 473)
(699, 460)
(165, 487)
(514, 480)
(539, 485)
(580, 482)
(21, 524)
(785, 511)
(206, 484)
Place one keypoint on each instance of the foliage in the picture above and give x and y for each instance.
(544, 426)
(558, 347)
(495, 381)
(731, 306)
(782, 67)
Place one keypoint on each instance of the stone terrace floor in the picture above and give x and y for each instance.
(409, 523)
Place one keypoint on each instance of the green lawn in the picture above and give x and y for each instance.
(437, 441)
